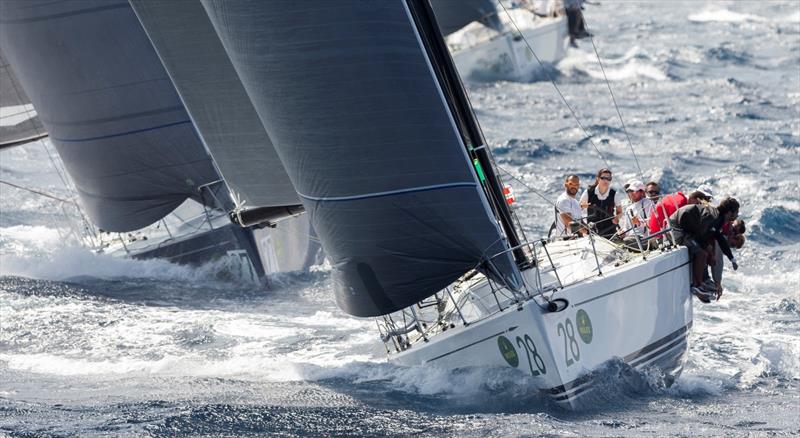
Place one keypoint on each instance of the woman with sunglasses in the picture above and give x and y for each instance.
(603, 204)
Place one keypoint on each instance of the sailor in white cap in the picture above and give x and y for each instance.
(706, 190)
(637, 213)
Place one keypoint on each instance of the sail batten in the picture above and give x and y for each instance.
(107, 102)
(369, 144)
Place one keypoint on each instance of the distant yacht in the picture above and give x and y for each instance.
(491, 48)
(159, 171)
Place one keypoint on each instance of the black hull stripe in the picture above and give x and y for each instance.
(658, 344)
(645, 359)
(629, 286)
(655, 348)
(671, 366)
(469, 345)
(581, 391)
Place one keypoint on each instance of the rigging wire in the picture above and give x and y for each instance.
(40, 136)
(517, 179)
(39, 192)
(613, 99)
(558, 90)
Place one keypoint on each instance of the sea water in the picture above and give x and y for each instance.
(95, 345)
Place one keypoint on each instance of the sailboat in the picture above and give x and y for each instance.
(148, 182)
(152, 103)
(368, 114)
(19, 122)
(489, 45)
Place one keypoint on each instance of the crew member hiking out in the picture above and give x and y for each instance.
(694, 226)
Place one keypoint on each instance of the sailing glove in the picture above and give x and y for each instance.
(734, 264)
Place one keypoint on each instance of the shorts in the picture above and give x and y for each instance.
(688, 241)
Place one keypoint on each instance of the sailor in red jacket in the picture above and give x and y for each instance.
(671, 203)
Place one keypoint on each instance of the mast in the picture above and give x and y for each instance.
(458, 101)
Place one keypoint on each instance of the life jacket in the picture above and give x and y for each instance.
(601, 212)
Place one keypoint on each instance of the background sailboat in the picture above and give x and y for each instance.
(124, 135)
(19, 122)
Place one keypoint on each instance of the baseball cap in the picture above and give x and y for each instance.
(706, 190)
(634, 185)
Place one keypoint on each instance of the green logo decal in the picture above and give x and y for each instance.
(584, 326)
(508, 351)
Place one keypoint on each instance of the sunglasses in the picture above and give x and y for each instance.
(654, 193)
(606, 178)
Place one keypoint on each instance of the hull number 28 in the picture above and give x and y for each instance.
(534, 358)
(572, 351)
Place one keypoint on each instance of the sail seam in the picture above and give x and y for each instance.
(387, 193)
(120, 134)
(64, 14)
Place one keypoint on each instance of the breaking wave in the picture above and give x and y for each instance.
(634, 64)
(776, 226)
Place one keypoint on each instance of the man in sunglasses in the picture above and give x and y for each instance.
(637, 212)
(603, 204)
(653, 191)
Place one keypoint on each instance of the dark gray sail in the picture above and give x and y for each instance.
(349, 99)
(210, 89)
(452, 15)
(19, 122)
(109, 106)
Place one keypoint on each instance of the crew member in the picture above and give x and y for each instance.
(568, 210)
(603, 204)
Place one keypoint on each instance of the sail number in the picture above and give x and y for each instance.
(571, 347)
(534, 358)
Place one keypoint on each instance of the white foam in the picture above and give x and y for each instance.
(64, 263)
(21, 238)
(633, 64)
(696, 385)
(724, 16)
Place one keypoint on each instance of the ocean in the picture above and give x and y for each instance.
(93, 345)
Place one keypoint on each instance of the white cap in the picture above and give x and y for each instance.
(706, 190)
(634, 185)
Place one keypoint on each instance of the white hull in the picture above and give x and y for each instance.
(257, 255)
(506, 57)
(640, 313)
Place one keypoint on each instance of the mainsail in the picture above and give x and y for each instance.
(200, 69)
(109, 106)
(348, 96)
(452, 15)
(19, 122)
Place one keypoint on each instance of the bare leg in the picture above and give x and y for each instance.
(699, 264)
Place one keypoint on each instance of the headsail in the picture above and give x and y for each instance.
(350, 100)
(452, 15)
(109, 107)
(194, 57)
(19, 122)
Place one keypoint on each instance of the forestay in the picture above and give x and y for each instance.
(216, 101)
(348, 97)
(108, 104)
